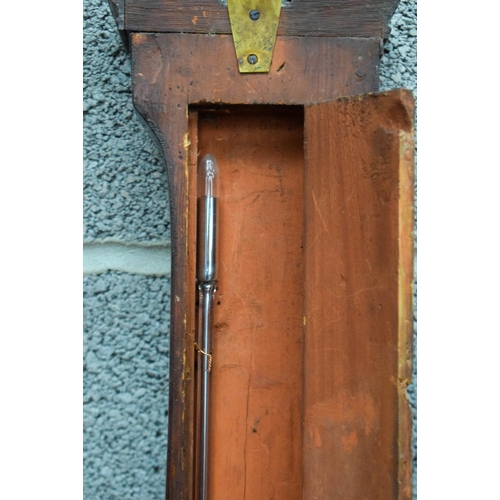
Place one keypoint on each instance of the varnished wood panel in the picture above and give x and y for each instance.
(173, 70)
(256, 412)
(337, 18)
(358, 272)
(170, 73)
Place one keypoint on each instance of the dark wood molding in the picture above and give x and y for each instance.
(117, 8)
(332, 18)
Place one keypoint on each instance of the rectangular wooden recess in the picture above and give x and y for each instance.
(313, 322)
(256, 441)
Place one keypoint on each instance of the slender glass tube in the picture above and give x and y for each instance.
(206, 278)
(208, 194)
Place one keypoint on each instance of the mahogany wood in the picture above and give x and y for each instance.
(256, 434)
(358, 297)
(171, 72)
(338, 18)
(356, 233)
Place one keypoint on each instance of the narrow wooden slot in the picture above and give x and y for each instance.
(257, 375)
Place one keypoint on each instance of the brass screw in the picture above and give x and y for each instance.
(252, 59)
(254, 15)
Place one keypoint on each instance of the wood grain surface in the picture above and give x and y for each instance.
(337, 18)
(361, 233)
(358, 296)
(256, 434)
(172, 72)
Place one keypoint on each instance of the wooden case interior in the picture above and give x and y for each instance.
(312, 337)
(257, 373)
(312, 333)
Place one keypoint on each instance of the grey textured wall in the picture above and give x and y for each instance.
(126, 265)
(126, 308)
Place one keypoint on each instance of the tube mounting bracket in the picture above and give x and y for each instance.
(254, 24)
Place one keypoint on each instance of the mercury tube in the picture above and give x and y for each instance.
(206, 279)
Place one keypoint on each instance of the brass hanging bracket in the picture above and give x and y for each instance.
(254, 24)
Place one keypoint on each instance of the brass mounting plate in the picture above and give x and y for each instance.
(254, 24)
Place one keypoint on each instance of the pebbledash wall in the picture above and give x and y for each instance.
(127, 265)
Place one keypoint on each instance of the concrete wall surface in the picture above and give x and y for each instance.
(127, 265)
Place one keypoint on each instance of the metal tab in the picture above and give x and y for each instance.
(254, 24)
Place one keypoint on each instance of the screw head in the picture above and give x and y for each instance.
(254, 15)
(252, 59)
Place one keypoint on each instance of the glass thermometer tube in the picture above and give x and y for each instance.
(208, 187)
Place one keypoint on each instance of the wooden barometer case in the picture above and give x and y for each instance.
(312, 328)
